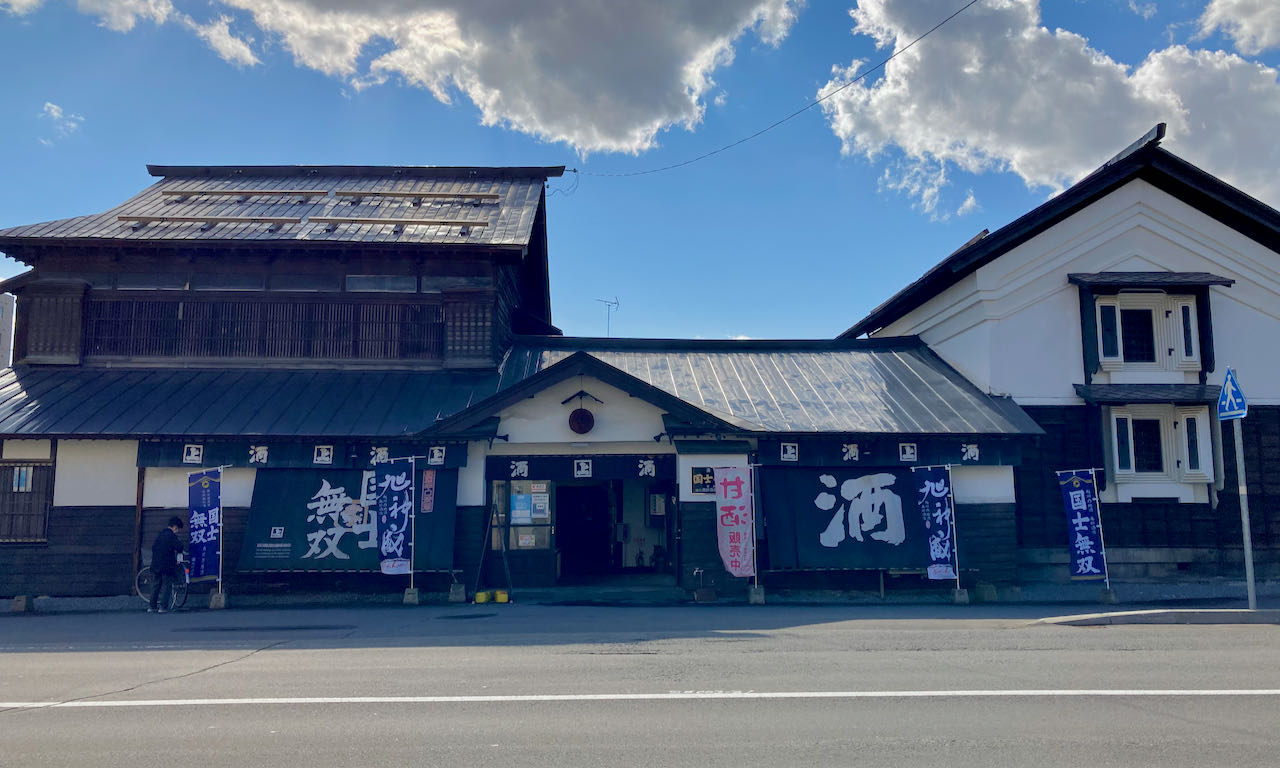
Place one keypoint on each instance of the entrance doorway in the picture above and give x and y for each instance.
(584, 531)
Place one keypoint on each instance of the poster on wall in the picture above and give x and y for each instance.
(1084, 525)
(851, 518)
(735, 520)
(327, 520)
(204, 523)
(393, 511)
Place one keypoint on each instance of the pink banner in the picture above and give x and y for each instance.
(735, 520)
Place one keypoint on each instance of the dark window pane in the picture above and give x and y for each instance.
(229, 281)
(1138, 334)
(383, 283)
(1123, 459)
(1147, 456)
(304, 282)
(150, 281)
(1187, 351)
(1193, 444)
(1110, 341)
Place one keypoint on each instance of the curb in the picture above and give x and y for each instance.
(1172, 616)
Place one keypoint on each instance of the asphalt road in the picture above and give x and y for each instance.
(681, 686)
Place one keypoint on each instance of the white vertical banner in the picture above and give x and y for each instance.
(736, 520)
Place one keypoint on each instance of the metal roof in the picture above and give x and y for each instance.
(53, 402)
(849, 386)
(1136, 394)
(261, 203)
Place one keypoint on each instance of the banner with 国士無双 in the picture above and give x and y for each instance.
(1084, 525)
(204, 524)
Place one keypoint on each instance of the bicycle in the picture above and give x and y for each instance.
(145, 581)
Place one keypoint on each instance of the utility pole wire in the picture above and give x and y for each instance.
(797, 113)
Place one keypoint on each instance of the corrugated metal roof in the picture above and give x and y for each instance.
(507, 218)
(786, 386)
(172, 402)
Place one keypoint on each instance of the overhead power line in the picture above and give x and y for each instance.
(795, 114)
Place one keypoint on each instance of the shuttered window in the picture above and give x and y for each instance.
(26, 493)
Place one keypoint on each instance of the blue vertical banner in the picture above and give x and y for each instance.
(937, 512)
(393, 509)
(1084, 525)
(204, 521)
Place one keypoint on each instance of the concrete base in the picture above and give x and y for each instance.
(984, 592)
(457, 593)
(960, 597)
(22, 604)
(755, 595)
(217, 600)
(1108, 597)
(411, 596)
(704, 595)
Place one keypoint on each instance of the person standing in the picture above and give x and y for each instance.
(164, 564)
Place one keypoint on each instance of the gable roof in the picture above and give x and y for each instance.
(1144, 160)
(875, 386)
(300, 203)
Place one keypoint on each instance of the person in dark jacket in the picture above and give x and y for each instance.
(164, 564)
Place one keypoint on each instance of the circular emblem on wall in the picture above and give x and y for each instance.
(581, 421)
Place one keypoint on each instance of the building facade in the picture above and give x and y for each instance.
(1110, 314)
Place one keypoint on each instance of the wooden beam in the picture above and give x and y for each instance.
(397, 222)
(245, 192)
(214, 219)
(433, 195)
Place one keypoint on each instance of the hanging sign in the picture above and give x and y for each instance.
(735, 520)
(1084, 525)
(392, 509)
(428, 504)
(204, 496)
(937, 512)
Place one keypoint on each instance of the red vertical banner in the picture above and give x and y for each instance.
(735, 520)
(428, 504)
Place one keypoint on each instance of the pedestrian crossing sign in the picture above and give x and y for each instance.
(1231, 403)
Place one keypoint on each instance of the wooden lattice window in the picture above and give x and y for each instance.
(26, 494)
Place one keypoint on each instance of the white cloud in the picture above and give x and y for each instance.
(595, 74)
(1254, 25)
(1145, 10)
(217, 34)
(64, 123)
(19, 7)
(994, 90)
(123, 15)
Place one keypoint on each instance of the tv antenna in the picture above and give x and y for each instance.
(610, 306)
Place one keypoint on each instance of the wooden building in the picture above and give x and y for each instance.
(302, 325)
(1110, 314)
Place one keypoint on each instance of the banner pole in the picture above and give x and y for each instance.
(955, 539)
(1102, 537)
(413, 517)
(755, 542)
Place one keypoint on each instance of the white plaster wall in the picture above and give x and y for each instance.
(982, 485)
(96, 473)
(167, 487)
(1026, 314)
(471, 477)
(686, 462)
(542, 418)
(28, 449)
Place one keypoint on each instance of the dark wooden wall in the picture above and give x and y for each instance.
(89, 553)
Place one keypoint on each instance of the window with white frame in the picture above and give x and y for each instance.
(1161, 442)
(1148, 331)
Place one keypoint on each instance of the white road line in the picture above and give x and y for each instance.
(671, 696)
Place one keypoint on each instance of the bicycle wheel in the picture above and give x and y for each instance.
(144, 582)
(179, 597)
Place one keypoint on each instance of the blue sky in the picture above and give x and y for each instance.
(795, 234)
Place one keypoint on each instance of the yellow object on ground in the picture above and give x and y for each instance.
(500, 596)
(482, 597)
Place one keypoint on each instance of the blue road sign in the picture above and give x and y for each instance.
(1231, 403)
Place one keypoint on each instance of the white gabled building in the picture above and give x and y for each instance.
(1110, 314)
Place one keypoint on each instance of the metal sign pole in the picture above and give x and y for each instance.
(413, 516)
(1244, 515)
(1102, 537)
(955, 538)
